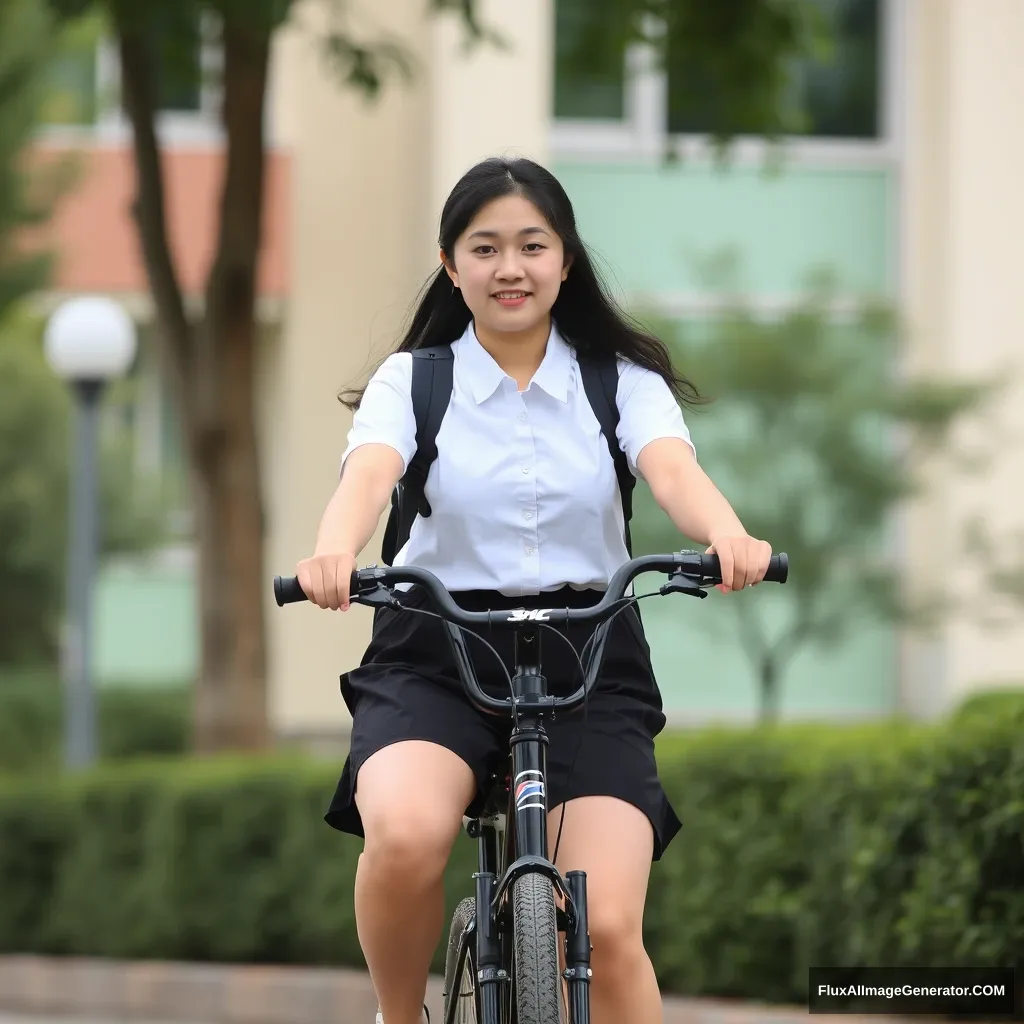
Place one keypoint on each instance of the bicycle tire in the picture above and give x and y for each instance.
(538, 982)
(462, 989)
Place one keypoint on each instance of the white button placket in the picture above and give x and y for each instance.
(526, 453)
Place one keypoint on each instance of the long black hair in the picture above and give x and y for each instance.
(585, 314)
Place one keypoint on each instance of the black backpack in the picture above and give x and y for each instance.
(432, 379)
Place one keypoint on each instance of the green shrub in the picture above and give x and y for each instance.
(203, 860)
(132, 722)
(983, 703)
(890, 844)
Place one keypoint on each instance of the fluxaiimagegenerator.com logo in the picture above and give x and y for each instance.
(992, 992)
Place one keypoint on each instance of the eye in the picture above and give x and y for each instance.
(480, 249)
(534, 247)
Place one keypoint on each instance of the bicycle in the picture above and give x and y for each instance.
(502, 962)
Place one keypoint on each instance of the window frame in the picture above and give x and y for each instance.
(643, 136)
(112, 125)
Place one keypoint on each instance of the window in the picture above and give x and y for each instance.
(841, 97)
(590, 65)
(71, 89)
(844, 97)
(178, 46)
(83, 78)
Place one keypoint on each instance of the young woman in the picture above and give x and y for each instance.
(525, 512)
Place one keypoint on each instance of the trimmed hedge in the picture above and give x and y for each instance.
(889, 844)
(132, 722)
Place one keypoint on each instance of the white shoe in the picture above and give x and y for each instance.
(426, 1016)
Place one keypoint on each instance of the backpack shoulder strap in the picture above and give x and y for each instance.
(432, 378)
(601, 383)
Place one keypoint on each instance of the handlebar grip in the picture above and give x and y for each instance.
(288, 591)
(778, 569)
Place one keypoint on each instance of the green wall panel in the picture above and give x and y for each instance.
(705, 675)
(648, 223)
(145, 625)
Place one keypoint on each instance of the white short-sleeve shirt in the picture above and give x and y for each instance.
(523, 492)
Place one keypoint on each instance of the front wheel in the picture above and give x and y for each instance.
(460, 968)
(535, 926)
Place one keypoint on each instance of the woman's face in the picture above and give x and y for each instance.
(509, 265)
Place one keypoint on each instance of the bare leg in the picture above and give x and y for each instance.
(411, 797)
(613, 842)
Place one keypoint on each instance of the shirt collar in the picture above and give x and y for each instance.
(484, 375)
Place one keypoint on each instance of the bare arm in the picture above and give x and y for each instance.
(699, 510)
(685, 492)
(364, 491)
(349, 521)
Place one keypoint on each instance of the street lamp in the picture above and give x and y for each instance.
(88, 341)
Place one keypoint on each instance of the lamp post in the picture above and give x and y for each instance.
(87, 341)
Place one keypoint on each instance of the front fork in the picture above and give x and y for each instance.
(577, 950)
(492, 975)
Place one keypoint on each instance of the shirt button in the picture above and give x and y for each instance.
(526, 469)
(522, 417)
(527, 514)
(529, 551)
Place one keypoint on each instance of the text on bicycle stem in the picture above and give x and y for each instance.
(529, 615)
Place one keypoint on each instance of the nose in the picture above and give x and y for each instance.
(509, 267)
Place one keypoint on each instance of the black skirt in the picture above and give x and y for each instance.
(407, 687)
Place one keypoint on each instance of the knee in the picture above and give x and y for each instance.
(408, 844)
(616, 935)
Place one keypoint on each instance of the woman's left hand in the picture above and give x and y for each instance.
(744, 560)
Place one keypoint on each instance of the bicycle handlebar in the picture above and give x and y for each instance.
(366, 586)
(704, 570)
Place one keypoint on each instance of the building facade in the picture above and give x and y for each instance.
(903, 184)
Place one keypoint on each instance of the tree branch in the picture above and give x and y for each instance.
(752, 636)
(802, 629)
(148, 208)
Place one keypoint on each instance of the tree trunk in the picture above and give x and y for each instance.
(769, 679)
(213, 368)
(231, 699)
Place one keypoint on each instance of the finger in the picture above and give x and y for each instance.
(764, 559)
(752, 562)
(302, 574)
(343, 578)
(728, 566)
(330, 574)
(316, 576)
(739, 566)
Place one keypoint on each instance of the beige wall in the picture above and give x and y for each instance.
(491, 101)
(368, 184)
(357, 186)
(962, 228)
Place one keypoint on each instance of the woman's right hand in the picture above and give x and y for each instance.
(325, 579)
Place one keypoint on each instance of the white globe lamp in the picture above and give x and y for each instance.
(90, 338)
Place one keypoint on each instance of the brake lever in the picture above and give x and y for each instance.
(680, 583)
(379, 596)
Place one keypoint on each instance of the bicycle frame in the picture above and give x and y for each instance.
(515, 843)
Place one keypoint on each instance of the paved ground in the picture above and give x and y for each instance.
(16, 1018)
(43, 990)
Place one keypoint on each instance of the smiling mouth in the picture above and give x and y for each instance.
(511, 298)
